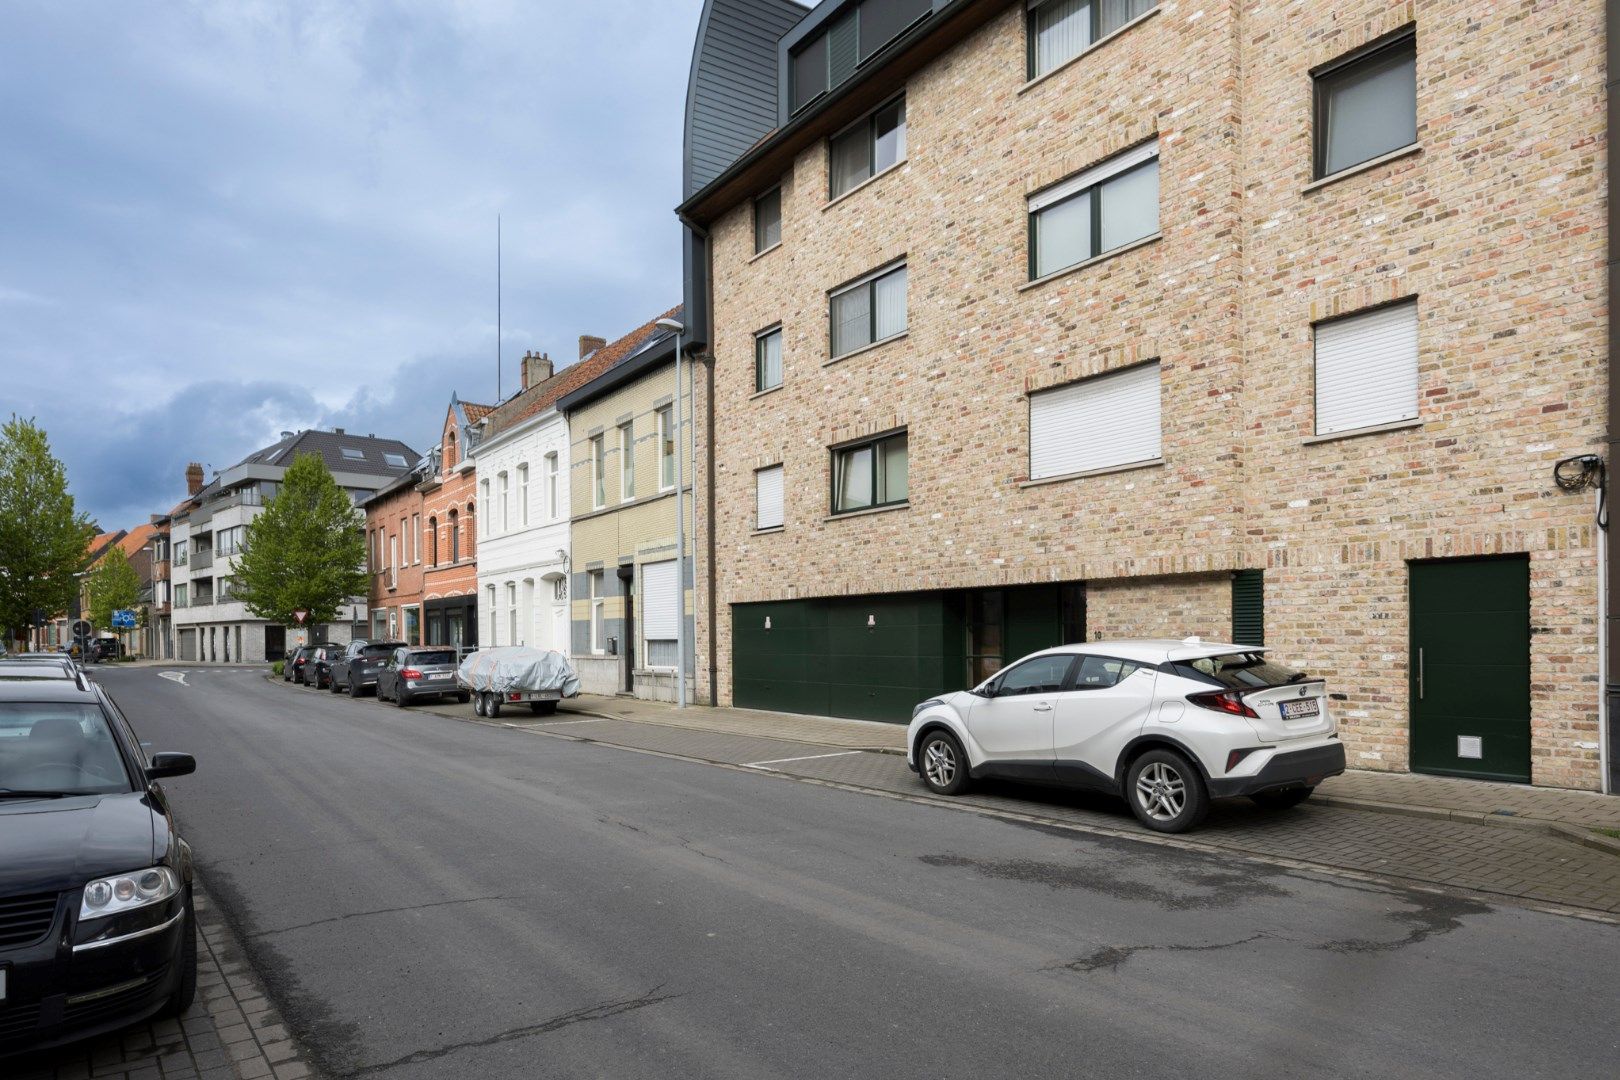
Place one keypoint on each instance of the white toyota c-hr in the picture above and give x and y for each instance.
(1166, 725)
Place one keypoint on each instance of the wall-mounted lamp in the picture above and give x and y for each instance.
(871, 620)
(767, 622)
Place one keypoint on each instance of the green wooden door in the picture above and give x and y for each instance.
(1470, 668)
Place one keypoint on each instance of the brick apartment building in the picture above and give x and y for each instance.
(1041, 322)
(450, 531)
(394, 547)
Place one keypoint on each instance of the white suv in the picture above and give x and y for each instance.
(1166, 725)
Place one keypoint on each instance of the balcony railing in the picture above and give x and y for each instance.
(201, 560)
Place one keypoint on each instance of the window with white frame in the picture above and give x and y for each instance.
(523, 494)
(1104, 208)
(416, 538)
(1367, 369)
(1060, 30)
(489, 604)
(483, 498)
(511, 613)
(768, 498)
(598, 612)
(869, 310)
(666, 448)
(393, 561)
(869, 146)
(598, 449)
(660, 613)
(551, 487)
(627, 461)
(1096, 423)
(506, 501)
(768, 359)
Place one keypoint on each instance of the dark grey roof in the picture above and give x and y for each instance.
(330, 446)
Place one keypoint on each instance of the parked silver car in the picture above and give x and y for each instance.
(411, 674)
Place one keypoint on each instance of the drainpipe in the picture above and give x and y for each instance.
(708, 445)
(1610, 732)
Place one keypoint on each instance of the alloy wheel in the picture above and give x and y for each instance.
(939, 763)
(1161, 791)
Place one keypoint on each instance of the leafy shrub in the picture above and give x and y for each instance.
(275, 667)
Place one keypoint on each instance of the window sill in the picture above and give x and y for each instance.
(1370, 163)
(878, 344)
(761, 254)
(768, 531)
(863, 185)
(762, 393)
(1087, 51)
(1151, 463)
(840, 516)
(1375, 429)
(1093, 261)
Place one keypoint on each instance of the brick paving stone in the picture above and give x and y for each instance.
(184, 1048)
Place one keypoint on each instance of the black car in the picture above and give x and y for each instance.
(97, 929)
(413, 674)
(356, 670)
(318, 668)
(292, 669)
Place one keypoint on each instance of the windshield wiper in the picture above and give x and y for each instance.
(23, 793)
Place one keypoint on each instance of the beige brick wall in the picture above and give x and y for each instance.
(1160, 607)
(1496, 225)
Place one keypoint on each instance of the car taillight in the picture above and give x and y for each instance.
(410, 673)
(1226, 701)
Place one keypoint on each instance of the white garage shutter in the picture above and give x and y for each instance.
(1101, 422)
(1366, 369)
(768, 498)
(660, 600)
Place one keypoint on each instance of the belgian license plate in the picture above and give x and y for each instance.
(1299, 710)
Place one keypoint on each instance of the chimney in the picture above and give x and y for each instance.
(589, 344)
(337, 431)
(536, 369)
(194, 478)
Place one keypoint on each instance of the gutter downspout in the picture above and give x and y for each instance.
(1609, 602)
(708, 455)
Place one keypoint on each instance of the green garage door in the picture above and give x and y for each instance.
(1470, 668)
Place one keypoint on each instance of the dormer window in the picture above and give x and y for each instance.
(857, 34)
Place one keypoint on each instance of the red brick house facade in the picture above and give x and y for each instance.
(449, 530)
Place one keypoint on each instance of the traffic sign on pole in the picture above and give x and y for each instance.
(123, 619)
(300, 615)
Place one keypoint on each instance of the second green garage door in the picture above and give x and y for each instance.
(1470, 668)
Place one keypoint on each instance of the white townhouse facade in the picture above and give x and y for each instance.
(521, 460)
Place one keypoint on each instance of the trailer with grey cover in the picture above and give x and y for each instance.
(517, 675)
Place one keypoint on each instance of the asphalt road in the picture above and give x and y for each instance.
(428, 898)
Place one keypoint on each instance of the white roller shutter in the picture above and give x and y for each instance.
(660, 600)
(1101, 422)
(1366, 369)
(768, 498)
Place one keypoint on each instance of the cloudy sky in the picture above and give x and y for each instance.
(224, 218)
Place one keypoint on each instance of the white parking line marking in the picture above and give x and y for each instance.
(785, 760)
(173, 676)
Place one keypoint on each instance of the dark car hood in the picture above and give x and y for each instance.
(49, 845)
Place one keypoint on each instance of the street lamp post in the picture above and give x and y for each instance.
(679, 329)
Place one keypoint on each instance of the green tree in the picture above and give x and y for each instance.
(43, 536)
(305, 552)
(112, 584)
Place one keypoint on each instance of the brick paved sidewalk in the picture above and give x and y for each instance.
(230, 1033)
(1439, 796)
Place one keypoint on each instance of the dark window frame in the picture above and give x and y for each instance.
(760, 248)
(760, 337)
(868, 124)
(1097, 37)
(1095, 222)
(1322, 77)
(868, 282)
(872, 442)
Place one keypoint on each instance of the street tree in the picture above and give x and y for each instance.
(112, 585)
(306, 550)
(44, 539)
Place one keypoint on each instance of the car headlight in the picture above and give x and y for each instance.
(126, 892)
(925, 705)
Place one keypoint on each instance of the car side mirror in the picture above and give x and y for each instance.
(171, 765)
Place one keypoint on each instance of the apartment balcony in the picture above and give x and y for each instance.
(201, 560)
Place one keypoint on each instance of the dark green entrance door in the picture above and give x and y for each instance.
(1470, 668)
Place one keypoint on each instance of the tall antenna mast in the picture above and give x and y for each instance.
(497, 308)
